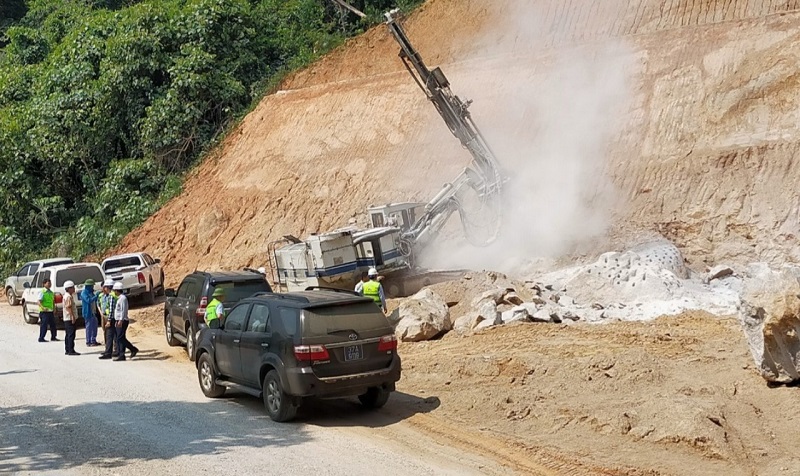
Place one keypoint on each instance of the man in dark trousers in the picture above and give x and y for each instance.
(121, 321)
(107, 303)
(47, 309)
(70, 318)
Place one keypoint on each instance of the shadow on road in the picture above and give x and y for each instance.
(349, 412)
(114, 434)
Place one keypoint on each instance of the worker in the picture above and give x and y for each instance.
(373, 289)
(47, 309)
(106, 304)
(215, 309)
(360, 285)
(121, 322)
(70, 318)
(88, 308)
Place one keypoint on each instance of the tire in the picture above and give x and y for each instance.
(150, 296)
(171, 340)
(207, 376)
(376, 397)
(278, 404)
(28, 318)
(190, 343)
(161, 287)
(13, 300)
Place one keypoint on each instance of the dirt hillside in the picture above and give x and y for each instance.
(705, 154)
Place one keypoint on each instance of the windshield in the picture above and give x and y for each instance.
(129, 262)
(79, 275)
(235, 292)
(360, 317)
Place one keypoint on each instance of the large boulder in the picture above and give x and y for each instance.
(423, 316)
(770, 316)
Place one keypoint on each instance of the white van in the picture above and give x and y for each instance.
(78, 273)
(14, 288)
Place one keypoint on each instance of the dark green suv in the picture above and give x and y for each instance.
(284, 347)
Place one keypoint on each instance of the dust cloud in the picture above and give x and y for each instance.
(551, 135)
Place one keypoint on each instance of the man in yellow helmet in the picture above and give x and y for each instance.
(373, 289)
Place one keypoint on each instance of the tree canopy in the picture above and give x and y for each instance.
(104, 103)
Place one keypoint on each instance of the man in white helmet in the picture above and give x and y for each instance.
(106, 303)
(70, 318)
(373, 289)
(121, 321)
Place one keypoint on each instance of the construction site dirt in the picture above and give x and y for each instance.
(624, 121)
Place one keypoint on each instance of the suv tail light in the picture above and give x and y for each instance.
(387, 343)
(59, 298)
(310, 353)
(201, 309)
(141, 278)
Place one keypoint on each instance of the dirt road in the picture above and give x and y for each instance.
(80, 415)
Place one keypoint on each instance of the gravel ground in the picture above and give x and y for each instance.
(80, 415)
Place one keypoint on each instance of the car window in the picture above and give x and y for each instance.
(149, 259)
(259, 319)
(235, 320)
(40, 278)
(120, 263)
(24, 271)
(183, 290)
(289, 318)
(79, 275)
(236, 291)
(194, 291)
(320, 321)
(33, 269)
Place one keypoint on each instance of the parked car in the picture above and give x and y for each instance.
(139, 273)
(14, 282)
(285, 347)
(185, 308)
(78, 273)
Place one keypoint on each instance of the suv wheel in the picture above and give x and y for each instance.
(28, 318)
(150, 295)
(208, 378)
(12, 298)
(375, 397)
(279, 405)
(171, 340)
(161, 286)
(190, 343)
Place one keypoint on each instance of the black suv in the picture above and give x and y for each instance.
(184, 310)
(316, 343)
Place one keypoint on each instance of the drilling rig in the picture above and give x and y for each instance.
(400, 231)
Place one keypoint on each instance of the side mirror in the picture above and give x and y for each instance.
(157, 260)
(170, 293)
(26, 285)
(215, 324)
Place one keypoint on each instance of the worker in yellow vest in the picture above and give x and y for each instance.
(47, 308)
(215, 309)
(373, 289)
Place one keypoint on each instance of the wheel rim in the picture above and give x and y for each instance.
(205, 375)
(189, 342)
(10, 296)
(168, 328)
(273, 396)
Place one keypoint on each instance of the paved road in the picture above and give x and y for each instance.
(80, 415)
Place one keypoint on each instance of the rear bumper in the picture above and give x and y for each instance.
(137, 290)
(301, 382)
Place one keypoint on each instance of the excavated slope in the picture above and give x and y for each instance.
(705, 153)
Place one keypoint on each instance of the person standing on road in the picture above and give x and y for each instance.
(70, 318)
(88, 308)
(47, 309)
(106, 304)
(121, 321)
(215, 309)
(373, 289)
(360, 285)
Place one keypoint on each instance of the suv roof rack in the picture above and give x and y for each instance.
(325, 288)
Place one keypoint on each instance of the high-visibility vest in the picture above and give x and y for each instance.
(110, 306)
(48, 301)
(211, 310)
(371, 289)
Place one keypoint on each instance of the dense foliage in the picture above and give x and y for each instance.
(103, 103)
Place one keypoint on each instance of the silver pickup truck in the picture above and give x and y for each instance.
(139, 273)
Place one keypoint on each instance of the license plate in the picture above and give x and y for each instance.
(353, 352)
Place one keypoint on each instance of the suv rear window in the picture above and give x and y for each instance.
(79, 275)
(129, 262)
(236, 291)
(321, 321)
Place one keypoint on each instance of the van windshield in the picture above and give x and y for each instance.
(79, 275)
(359, 317)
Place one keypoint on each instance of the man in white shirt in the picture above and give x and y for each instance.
(121, 321)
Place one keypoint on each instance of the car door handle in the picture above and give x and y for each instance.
(235, 341)
(265, 345)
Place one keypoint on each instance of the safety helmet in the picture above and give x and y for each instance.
(108, 283)
(117, 286)
(372, 272)
(68, 284)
